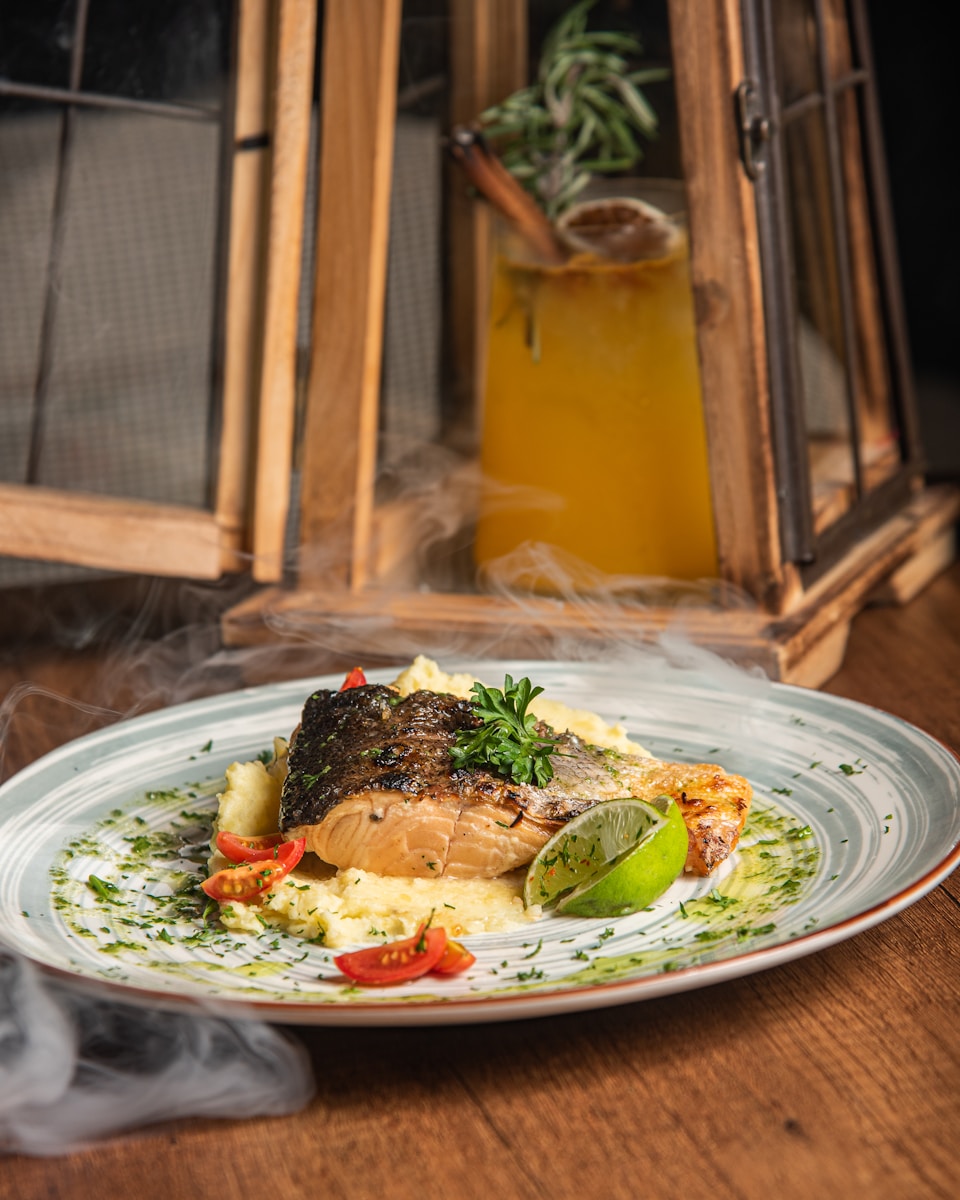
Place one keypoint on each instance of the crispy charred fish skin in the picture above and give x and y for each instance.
(370, 742)
(369, 739)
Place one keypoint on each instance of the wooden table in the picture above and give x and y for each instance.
(835, 1075)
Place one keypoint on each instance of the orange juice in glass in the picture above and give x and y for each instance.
(593, 400)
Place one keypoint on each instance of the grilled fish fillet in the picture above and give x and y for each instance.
(371, 784)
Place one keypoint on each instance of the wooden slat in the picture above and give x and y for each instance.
(916, 573)
(725, 266)
(245, 271)
(483, 615)
(397, 625)
(109, 533)
(360, 61)
(292, 103)
(901, 544)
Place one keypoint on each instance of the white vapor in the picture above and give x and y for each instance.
(75, 1068)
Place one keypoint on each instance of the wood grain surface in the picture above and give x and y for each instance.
(725, 274)
(359, 80)
(292, 106)
(834, 1075)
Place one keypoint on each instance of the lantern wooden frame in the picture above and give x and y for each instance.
(797, 631)
(359, 589)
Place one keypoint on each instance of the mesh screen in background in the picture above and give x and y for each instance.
(410, 393)
(130, 348)
(28, 158)
(126, 350)
(410, 390)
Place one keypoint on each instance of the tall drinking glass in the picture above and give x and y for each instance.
(593, 431)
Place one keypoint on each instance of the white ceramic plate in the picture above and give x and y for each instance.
(856, 815)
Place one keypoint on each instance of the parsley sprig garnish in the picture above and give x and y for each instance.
(507, 739)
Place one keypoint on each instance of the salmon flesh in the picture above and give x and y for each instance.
(371, 784)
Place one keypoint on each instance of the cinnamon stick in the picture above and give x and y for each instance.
(495, 183)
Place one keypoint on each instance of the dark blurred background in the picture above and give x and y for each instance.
(917, 75)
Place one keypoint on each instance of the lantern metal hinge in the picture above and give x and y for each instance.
(754, 127)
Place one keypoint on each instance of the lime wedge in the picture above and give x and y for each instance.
(615, 858)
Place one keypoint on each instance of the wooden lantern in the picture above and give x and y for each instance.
(790, 248)
(809, 548)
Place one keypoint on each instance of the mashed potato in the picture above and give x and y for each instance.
(341, 908)
(346, 907)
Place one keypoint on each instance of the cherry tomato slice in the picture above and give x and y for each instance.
(355, 678)
(456, 958)
(249, 849)
(251, 879)
(395, 962)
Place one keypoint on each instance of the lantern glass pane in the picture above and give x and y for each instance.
(535, 393)
(880, 450)
(796, 50)
(172, 51)
(842, 55)
(819, 319)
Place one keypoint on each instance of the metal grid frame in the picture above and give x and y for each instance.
(762, 122)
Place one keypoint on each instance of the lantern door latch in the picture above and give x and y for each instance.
(754, 127)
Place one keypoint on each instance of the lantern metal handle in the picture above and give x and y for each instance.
(754, 127)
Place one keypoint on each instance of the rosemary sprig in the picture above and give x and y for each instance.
(582, 116)
(507, 739)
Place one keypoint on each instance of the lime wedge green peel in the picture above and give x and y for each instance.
(615, 858)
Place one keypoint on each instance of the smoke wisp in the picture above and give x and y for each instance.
(74, 1068)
